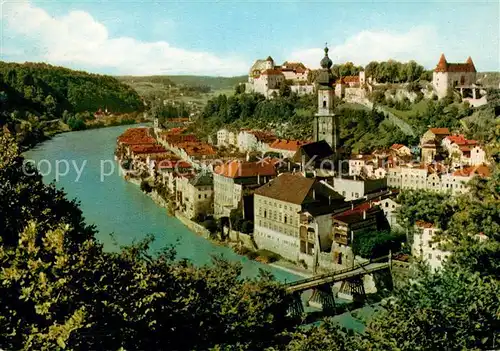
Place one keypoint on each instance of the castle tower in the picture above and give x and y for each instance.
(269, 63)
(325, 122)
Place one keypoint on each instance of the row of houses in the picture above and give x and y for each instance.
(258, 141)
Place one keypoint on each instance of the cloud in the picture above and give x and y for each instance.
(416, 44)
(77, 39)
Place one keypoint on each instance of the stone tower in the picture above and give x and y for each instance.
(325, 122)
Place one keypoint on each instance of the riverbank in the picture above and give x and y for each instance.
(198, 229)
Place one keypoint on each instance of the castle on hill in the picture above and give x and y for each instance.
(265, 77)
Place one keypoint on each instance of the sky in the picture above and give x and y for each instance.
(224, 38)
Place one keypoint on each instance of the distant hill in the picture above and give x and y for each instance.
(36, 98)
(215, 83)
(48, 89)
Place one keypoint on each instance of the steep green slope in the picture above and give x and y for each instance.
(51, 89)
(35, 98)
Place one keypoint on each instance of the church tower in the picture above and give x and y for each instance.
(325, 122)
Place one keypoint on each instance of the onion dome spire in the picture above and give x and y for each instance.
(326, 63)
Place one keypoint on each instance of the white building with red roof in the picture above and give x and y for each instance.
(230, 180)
(266, 78)
(287, 148)
(463, 151)
(453, 75)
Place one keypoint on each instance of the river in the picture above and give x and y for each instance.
(121, 212)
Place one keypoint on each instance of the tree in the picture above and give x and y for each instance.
(210, 225)
(284, 89)
(424, 205)
(61, 290)
(145, 186)
(448, 310)
(373, 244)
(236, 219)
(247, 227)
(50, 104)
(371, 69)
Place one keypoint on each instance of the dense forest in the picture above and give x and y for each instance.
(33, 93)
(61, 290)
(289, 114)
(383, 72)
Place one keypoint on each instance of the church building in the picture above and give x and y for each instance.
(325, 122)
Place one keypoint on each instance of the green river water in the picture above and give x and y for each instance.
(119, 208)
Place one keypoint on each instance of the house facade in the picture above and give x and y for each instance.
(226, 137)
(230, 180)
(295, 224)
(425, 246)
(194, 194)
(453, 75)
(353, 188)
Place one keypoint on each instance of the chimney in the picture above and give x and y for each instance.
(352, 206)
(314, 194)
(258, 178)
(364, 214)
(329, 200)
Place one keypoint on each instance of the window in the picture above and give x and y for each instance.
(387, 204)
(284, 219)
(265, 214)
(199, 196)
(430, 256)
(324, 104)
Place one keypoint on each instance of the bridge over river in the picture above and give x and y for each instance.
(352, 284)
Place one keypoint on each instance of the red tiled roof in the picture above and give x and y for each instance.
(423, 224)
(271, 72)
(397, 146)
(480, 170)
(351, 79)
(444, 66)
(460, 140)
(355, 214)
(440, 131)
(239, 169)
(280, 188)
(179, 138)
(173, 164)
(293, 65)
(290, 145)
(136, 136)
(197, 148)
(147, 149)
(265, 137)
